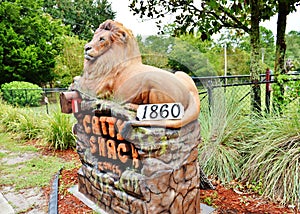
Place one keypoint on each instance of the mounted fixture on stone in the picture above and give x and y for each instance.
(137, 129)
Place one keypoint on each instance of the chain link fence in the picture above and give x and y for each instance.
(209, 88)
(48, 99)
(239, 87)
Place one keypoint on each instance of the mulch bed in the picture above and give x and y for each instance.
(226, 200)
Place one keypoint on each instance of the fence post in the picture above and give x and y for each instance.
(26, 97)
(210, 94)
(46, 101)
(268, 89)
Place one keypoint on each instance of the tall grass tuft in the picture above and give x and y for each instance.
(221, 130)
(273, 157)
(27, 124)
(59, 133)
(24, 122)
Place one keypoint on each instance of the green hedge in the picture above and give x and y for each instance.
(20, 93)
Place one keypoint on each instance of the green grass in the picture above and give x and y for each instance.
(34, 172)
(54, 128)
(14, 145)
(273, 157)
(221, 130)
(2, 155)
(17, 126)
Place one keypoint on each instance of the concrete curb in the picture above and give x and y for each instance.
(5, 207)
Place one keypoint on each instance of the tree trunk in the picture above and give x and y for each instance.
(283, 11)
(255, 69)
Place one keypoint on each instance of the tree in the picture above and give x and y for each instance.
(185, 53)
(284, 8)
(84, 16)
(29, 42)
(69, 63)
(293, 49)
(267, 47)
(209, 17)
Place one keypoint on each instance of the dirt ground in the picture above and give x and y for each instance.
(225, 200)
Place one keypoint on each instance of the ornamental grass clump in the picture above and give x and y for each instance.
(273, 157)
(24, 122)
(221, 130)
(59, 132)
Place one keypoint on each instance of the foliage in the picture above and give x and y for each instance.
(22, 121)
(273, 156)
(29, 42)
(59, 133)
(54, 129)
(290, 85)
(186, 53)
(186, 57)
(154, 50)
(209, 17)
(284, 8)
(266, 44)
(293, 49)
(84, 16)
(221, 130)
(69, 63)
(21, 93)
(33, 172)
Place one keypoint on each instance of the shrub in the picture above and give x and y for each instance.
(23, 121)
(273, 156)
(59, 132)
(21, 93)
(221, 131)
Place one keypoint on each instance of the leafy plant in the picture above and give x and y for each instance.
(55, 129)
(21, 93)
(59, 133)
(30, 40)
(273, 156)
(221, 130)
(25, 122)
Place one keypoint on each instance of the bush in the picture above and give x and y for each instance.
(273, 156)
(21, 93)
(221, 130)
(24, 122)
(59, 132)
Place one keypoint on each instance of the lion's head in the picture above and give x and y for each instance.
(111, 46)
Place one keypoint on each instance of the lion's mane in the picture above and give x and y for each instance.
(124, 49)
(113, 69)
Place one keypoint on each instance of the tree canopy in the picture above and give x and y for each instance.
(83, 16)
(210, 16)
(29, 42)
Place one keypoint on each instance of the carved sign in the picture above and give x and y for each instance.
(108, 146)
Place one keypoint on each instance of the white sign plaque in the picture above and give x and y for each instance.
(162, 111)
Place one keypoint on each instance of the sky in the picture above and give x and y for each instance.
(148, 27)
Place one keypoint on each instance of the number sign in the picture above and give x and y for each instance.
(170, 111)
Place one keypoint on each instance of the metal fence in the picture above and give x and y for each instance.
(238, 86)
(49, 96)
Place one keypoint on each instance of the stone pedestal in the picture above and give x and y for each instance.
(136, 170)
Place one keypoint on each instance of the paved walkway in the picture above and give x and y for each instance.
(5, 207)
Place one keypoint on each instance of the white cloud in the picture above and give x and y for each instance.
(148, 27)
(123, 15)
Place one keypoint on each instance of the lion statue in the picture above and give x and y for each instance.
(113, 69)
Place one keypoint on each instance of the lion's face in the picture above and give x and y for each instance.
(108, 33)
(100, 43)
